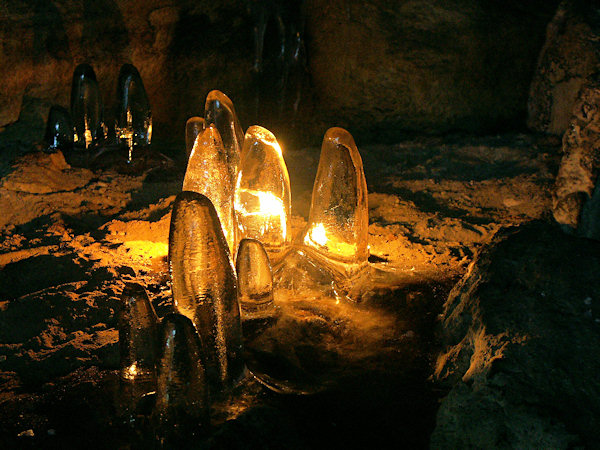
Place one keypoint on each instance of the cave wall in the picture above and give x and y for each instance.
(380, 68)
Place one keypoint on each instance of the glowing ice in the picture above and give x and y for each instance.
(138, 328)
(59, 129)
(86, 107)
(219, 111)
(207, 173)
(181, 406)
(255, 280)
(193, 127)
(338, 220)
(204, 285)
(134, 121)
(262, 194)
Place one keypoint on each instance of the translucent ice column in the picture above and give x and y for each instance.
(181, 408)
(338, 220)
(219, 110)
(208, 174)
(204, 285)
(86, 107)
(193, 127)
(134, 120)
(138, 328)
(59, 129)
(262, 195)
(255, 280)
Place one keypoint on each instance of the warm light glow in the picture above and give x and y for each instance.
(131, 372)
(317, 236)
(262, 212)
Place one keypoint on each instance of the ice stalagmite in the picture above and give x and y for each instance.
(205, 286)
(262, 194)
(86, 107)
(181, 408)
(255, 280)
(134, 120)
(59, 129)
(219, 110)
(138, 332)
(208, 174)
(193, 127)
(338, 222)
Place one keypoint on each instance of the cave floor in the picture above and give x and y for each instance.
(71, 236)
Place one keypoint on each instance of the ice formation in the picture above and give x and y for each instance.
(193, 127)
(262, 194)
(86, 107)
(138, 332)
(208, 174)
(181, 407)
(255, 280)
(204, 285)
(59, 129)
(338, 222)
(219, 110)
(134, 119)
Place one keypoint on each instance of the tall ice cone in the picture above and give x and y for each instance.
(193, 127)
(181, 408)
(138, 332)
(86, 107)
(255, 280)
(134, 120)
(59, 129)
(204, 285)
(208, 174)
(219, 110)
(338, 221)
(262, 194)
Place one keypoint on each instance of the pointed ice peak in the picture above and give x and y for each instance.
(219, 110)
(193, 127)
(182, 389)
(262, 195)
(338, 220)
(59, 129)
(204, 285)
(255, 280)
(138, 326)
(86, 107)
(134, 120)
(208, 174)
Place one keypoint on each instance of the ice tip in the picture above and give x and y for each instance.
(258, 133)
(84, 70)
(196, 197)
(217, 95)
(340, 136)
(133, 290)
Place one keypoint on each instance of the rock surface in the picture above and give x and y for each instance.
(570, 54)
(575, 199)
(373, 67)
(522, 331)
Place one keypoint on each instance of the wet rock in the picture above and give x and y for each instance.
(522, 329)
(575, 198)
(569, 56)
(42, 173)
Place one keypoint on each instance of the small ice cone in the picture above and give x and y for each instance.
(193, 127)
(59, 129)
(208, 174)
(338, 220)
(262, 194)
(86, 107)
(134, 120)
(182, 408)
(138, 331)
(219, 111)
(205, 286)
(255, 280)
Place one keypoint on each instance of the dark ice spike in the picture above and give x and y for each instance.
(86, 107)
(205, 287)
(181, 410)
(59, 129)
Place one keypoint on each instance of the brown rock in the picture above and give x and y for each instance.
(578, 171)
(569, 56)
